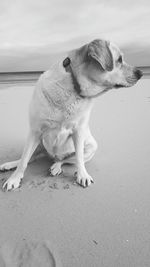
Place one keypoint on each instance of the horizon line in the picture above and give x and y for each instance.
(40, 71)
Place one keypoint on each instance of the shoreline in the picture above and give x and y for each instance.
(32, 76)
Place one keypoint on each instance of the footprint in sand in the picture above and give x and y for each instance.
(28, 254)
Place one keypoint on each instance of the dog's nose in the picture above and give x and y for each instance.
(138, 73)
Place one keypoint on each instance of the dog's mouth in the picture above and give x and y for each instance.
(118, 85)
(127, 84)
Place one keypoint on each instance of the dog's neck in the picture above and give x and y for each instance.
(84, 87)
(68, 68)
(90, 89)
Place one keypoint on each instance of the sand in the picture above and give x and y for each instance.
(27, 253)
(105, 225)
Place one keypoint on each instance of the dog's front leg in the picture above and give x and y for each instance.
(83, 178)
(14, 181)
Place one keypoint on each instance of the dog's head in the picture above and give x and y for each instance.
(100, 66)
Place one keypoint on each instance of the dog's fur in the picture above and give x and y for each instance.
(59, 114)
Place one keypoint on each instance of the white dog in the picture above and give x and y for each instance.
(61, 106)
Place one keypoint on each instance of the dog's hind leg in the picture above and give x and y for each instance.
(9, 165)
(56, 169)
(90, 147)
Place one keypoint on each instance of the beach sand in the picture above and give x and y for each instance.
(105, 225)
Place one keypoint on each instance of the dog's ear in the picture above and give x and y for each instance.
(99, 51)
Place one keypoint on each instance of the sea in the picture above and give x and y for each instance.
(19, 77)
(32, 76)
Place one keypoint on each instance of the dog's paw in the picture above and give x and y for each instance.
(7, 166)
(12, 183)
(55, 169)
(84, 179)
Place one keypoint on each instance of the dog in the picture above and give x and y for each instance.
(61, 105)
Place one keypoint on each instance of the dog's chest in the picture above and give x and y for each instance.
(74, 108)
(74, 116)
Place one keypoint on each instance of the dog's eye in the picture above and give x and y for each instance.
(120, 59)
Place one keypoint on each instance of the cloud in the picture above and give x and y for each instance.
(28, 27)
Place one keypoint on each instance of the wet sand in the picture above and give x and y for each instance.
(104, 225)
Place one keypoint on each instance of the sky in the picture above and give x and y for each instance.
(34, 33)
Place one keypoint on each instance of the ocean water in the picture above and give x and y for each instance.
(17, 77)
(30, 77)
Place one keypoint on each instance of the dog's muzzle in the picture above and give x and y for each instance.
(130, 80)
